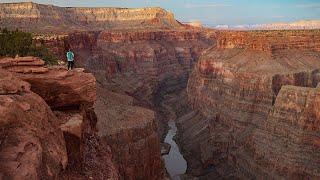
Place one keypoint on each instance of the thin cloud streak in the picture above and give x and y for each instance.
(308, 6)
(278, 17)
(206, 5)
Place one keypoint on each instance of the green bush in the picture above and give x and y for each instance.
(21, 43)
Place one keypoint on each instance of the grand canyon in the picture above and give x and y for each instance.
(147, 88)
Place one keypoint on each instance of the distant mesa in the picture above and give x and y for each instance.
(49, 18)
(303, 24)
(194, 24)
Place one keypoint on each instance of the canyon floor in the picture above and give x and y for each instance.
(147, 89)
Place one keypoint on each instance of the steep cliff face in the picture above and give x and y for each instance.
(131, 133)
(138, 63)
(270, 41)
(66, 132)
(49, 18)
(243, 125)
(287, 143)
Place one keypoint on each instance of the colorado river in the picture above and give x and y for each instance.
(175, 163)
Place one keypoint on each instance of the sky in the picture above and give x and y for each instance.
(213, 12)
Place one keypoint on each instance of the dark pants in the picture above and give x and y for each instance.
(70, 65)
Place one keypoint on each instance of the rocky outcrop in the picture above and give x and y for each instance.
(71, 95)
(131, 132)
(71, 88)
(246, 123)
(49, 18)
(31, 144)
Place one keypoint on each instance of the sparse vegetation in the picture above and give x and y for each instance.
(21, 43)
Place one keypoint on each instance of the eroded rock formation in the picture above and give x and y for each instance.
(40, 18)
(32, 145)
(132, 134)
(246, 123)
(270, 41)
(139, 62)
(62, 143)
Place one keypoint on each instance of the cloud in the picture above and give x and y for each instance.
(279, 17)
(211, 5)
(314, 6)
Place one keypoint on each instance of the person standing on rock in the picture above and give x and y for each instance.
(70, 58)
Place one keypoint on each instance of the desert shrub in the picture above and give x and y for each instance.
(21, 43)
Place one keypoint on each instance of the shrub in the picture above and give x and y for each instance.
(21, 43)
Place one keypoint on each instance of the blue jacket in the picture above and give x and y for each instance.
(70, 56)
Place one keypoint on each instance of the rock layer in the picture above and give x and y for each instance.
(246, 123)
(138, 62)
(49, 18)
(288, 141)
(270, 41)
(131, 132)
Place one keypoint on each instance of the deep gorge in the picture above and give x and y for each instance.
(245, 104)
(152, 71)
(164, 73)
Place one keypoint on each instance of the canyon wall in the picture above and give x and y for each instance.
(132, 135)
(137, 63)
(246, 122)
(138, 66)
(270, 41)
(120, 57)
(49, 18)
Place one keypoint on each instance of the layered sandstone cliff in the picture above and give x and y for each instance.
(270, 41)
(49, 18)
(246, 123)
(132, 134)
(56, 126)
(139, 63)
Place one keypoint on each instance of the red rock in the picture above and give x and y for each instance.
(291, 127)
(246, 122)
(131, 133)
(73, 94)
(23, 65)
(47, 18)
(270, 41)
(58, 87)
(32, 145)
(73, 125)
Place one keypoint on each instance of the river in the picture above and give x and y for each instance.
(175, 164)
